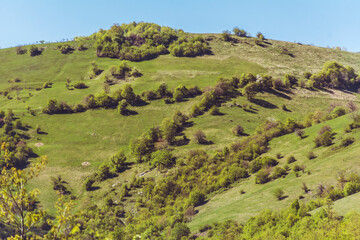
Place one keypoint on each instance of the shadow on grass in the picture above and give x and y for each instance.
(278, 94)
(263, 103)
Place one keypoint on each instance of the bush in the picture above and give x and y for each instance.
(324, 137)
(179, 231)
(104, 172)
(34, 50)
(351, 188)
(214, 111)
(278, 172)
(118, 162)
(262, 177)
(122, 107)
(89, 183)
(80, 85)
(199, 137)
(162, 159)
(196, 198)
(291, 159)
(311, 155)
(339, 111)
(279, 193)
(347, 141)
(238, 130)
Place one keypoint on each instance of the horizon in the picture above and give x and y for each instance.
(312, 23)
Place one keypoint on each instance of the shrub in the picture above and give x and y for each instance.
(122, 107)
(162, 159)
(278, 172)
(104, 172)
(351, 188)
(311, 155)
(291, 159)
(339, 111)
(118, 162)
(34, 50)
(279, 193)
(199, 137)
(347, 141)
(179, 231)
(80, 85)
(238, 130)
(262, 177)
(324, 137)
(226, 36)
(196, 198)
(299, 132)
(89, 183)
(214, 111)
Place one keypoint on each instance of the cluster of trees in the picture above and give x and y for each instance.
(145, 41)
(291, 223)
(157, 139)
(65, 48)
(100, 100)
(122, 71)
(334, 75)
(180, 93)
(134, 41)
(185, 47)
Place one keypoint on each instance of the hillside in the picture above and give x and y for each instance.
(79, 143)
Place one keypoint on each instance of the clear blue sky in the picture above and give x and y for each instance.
(318, 22)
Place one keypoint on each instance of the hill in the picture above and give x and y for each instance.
(82, 142)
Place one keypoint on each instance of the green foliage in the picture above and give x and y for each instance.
(192, 47)
(118, 162)
(324, 137)
(291, 159)
(168, 128)
(196, 198)
(103, 172)
(262, 177)
(238, 130)
(162, 159)
(122, 107)
(339, 111)
(179, 231)
(334, 75)
(17, 203)
(250, 90)
(214, 111)
(278, 172)
(279, 193)
(89, 183)
(34, 51)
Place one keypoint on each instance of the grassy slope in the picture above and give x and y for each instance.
(232, 204)
(95, 135)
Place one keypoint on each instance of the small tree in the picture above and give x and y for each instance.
(196, 198)
(299, 132)
(279, 193)
(180, 230)
(122, 107)
(250, 90)
(89, 183)
(199, 137)
(118, 161)
(17, 203)
(260, 36)
(238, 130)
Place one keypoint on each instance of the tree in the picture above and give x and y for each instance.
(238, 130)
(17, 204)
(180, 230)
(118, 161)
(34, 50)
(64, 226)
(128, 94)
(260, 36)
(279, 193)
(250, 90)
(122, 107)
(196, 198)
(200, 137)
(168, 129)
(161, 159)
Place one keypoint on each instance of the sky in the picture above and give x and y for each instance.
(326, 23)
